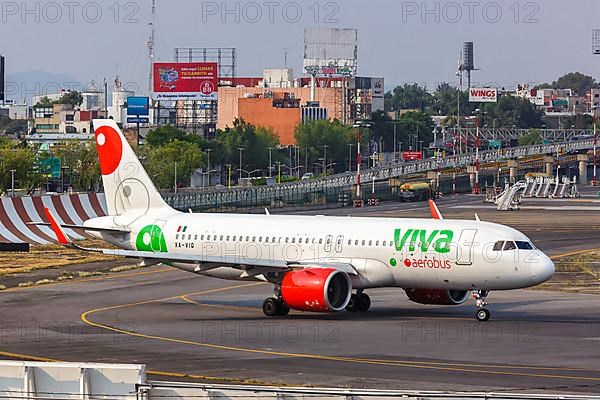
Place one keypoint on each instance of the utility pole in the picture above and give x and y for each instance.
(325, 146)
(151, 46)
(358, 193)
(595, 179)
(106, 101)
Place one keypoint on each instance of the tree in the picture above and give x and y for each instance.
(315, 135)
(13, 126)
(580, 83)
(43, 102)
(531, 138)
(445, 101)
(415, 127)
(408, 97)
(579, 121)
(22, 160)
(160, 162)
(71, 97)
(81, 158)
(165, 134)
(512, 111)
(254, 141)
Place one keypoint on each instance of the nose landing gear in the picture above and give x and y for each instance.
(483, 314)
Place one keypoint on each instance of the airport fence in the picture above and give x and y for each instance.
(337, 189)
(66, 381)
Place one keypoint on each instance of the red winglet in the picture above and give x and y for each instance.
(60, 234)
(435, 212)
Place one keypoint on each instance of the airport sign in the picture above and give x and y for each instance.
(138, 120)
(483, 95)
(138, 106)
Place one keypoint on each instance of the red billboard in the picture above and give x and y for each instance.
(185, 81)
(412, 155)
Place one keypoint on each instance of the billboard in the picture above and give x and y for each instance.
(138, 106)
(330, 52)
(185, 81)
(483, 95)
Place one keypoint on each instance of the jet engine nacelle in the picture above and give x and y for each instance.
(316, 289)
(438, 296)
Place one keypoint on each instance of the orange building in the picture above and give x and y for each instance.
(232, 98)
(280, 114)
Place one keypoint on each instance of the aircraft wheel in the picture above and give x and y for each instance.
(283, 309)
(270, 307)
(483, 314)
(353, 304)
(364, 302)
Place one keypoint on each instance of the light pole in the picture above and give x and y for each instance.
(175, 179)
(241, 149)
(325, 146)
(270, 162)
(12, 180)
(228, 175)
(350, 145)
(395, 123)
(63, 170)
(358, 162)
(208, 164)
(476, 189)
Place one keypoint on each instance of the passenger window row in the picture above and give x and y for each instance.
(292, 240)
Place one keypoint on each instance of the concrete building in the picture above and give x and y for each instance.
(61, 119)
(593, 98)
(15, 111)
(345, 99)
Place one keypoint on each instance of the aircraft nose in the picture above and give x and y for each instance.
(542, 270)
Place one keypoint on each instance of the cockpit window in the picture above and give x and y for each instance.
(498, 245)
(524, 245)
(509, 245)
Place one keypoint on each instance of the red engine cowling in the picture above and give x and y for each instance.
(316, 289)
(438, 296)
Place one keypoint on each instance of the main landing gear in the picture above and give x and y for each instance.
(483, 314)
(273, 307)
(359, 302)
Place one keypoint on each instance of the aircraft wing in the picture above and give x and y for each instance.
(150, 257)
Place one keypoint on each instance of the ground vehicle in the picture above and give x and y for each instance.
(308, 175)
(416, 191)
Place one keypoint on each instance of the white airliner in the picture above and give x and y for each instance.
(320, 264)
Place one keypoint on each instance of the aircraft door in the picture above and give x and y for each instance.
(464, 247)
(339, 244)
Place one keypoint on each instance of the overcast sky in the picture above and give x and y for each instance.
(515, 41)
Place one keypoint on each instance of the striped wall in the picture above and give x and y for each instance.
(16, 212)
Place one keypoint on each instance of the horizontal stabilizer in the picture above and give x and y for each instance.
(86, 228)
